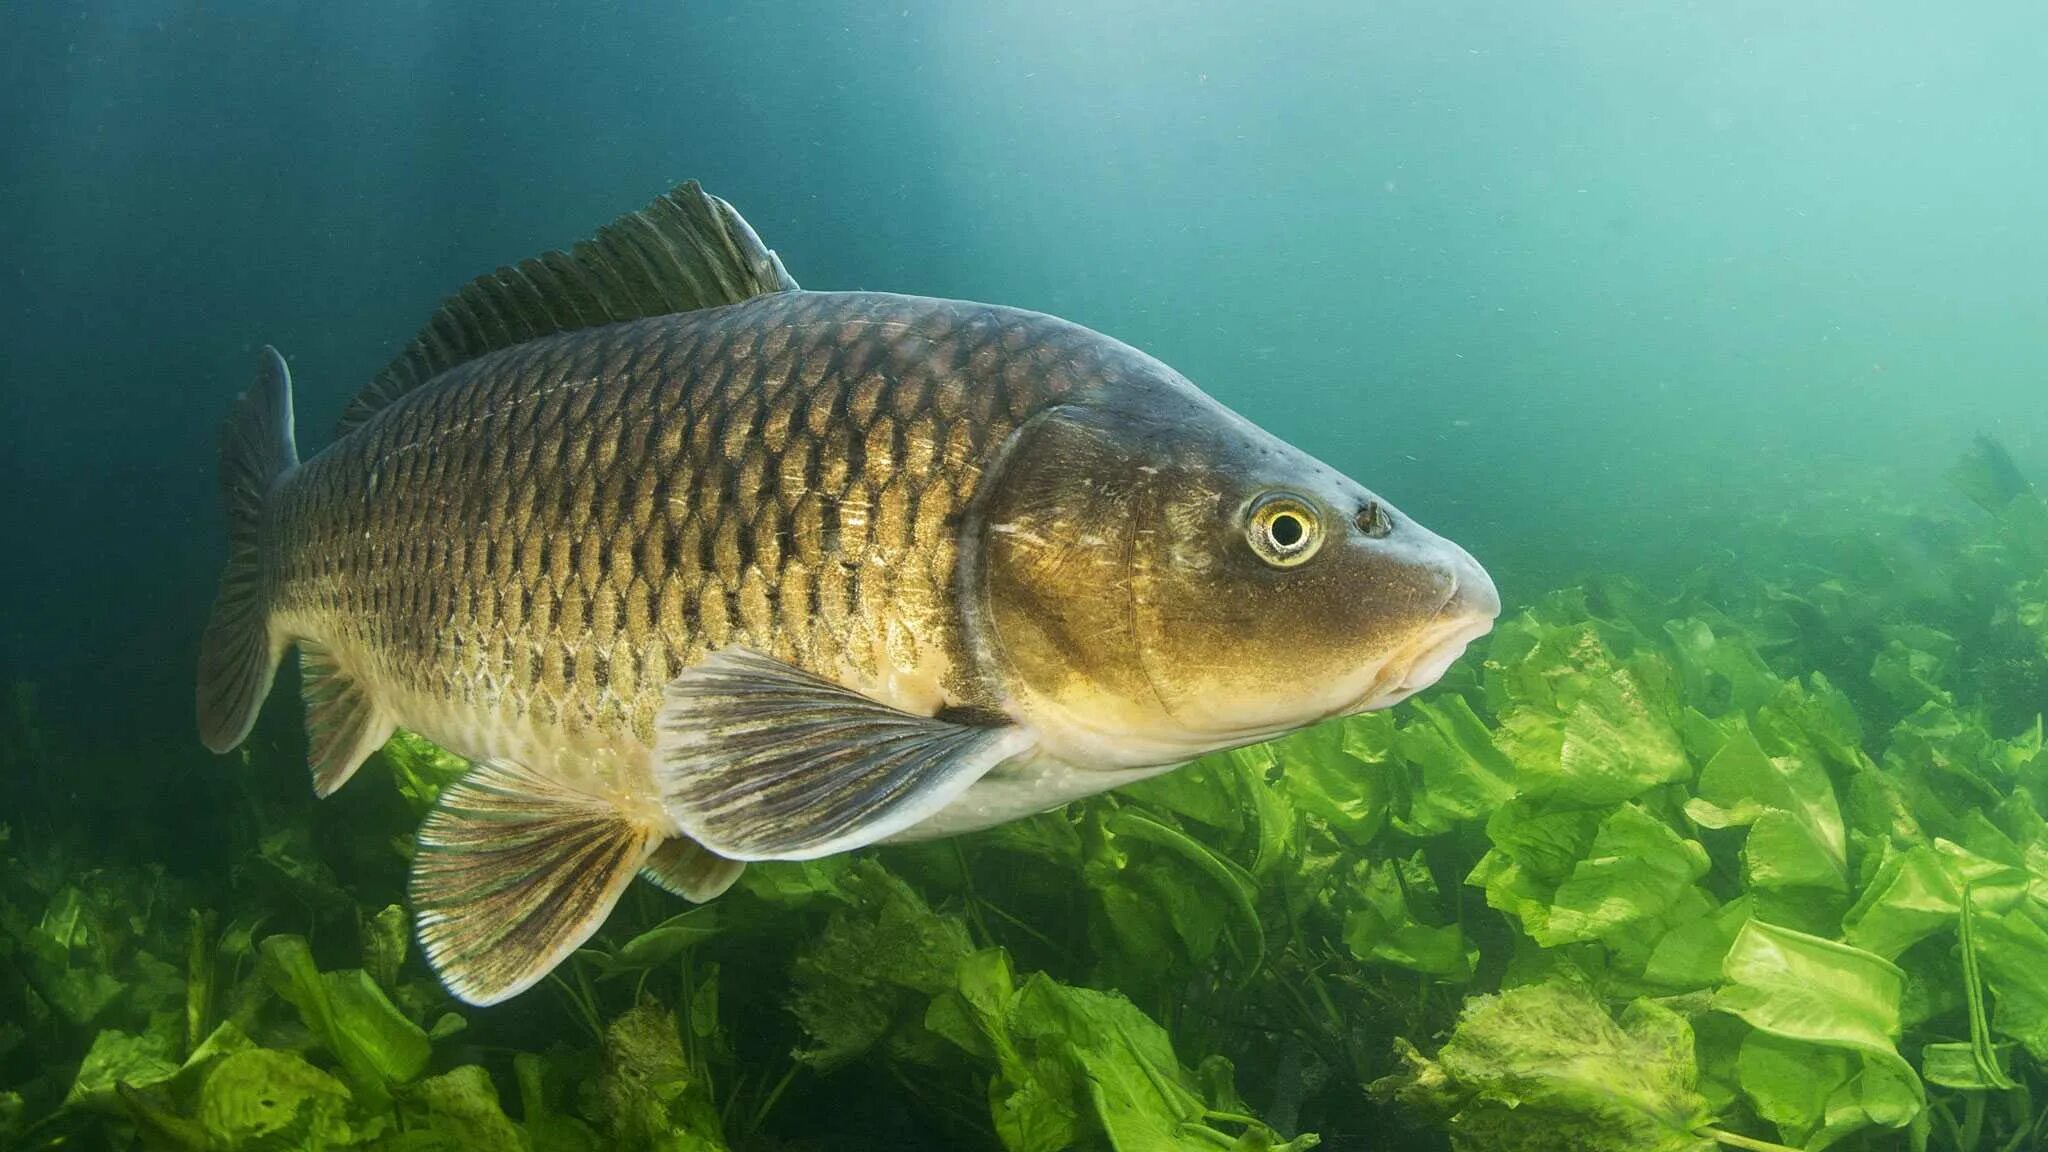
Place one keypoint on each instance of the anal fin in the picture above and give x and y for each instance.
(344, 725)
(514, 872)
(759, 760)
(688, 869)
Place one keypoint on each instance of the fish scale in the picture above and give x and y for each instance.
(550, 533)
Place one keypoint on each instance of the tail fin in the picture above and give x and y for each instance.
(237, 655)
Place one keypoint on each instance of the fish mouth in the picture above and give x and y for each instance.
(1430, 659)
(1467, 613)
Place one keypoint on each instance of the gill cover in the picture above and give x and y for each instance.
(1055, 546)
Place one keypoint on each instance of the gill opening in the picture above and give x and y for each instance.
(978, 636)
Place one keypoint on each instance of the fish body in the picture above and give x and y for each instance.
(516, 560)
(779, 573)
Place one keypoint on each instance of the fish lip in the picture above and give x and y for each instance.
(1423, 661)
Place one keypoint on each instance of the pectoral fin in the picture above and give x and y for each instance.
(514, 872)
(758, 760)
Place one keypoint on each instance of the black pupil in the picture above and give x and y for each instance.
(1287, 530)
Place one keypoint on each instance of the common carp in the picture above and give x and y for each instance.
(699, 568)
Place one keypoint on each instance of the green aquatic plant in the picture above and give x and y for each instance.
(1755, 859)
(1543, 1066)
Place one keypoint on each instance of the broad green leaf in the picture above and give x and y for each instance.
(71, 959)
(1882, 1094)
(1637, 870)
(1608, 742)
(1702, 737)
(1033, 1097)
(1154, 917)
(547, 1129)
(288, 866)
(1053, 837)
(1690, 955)
(119, 1058)
(1990, 1063)
(1580, 725)
(1237, 890)
(1240, 793)
(461, 1107)
(1573, 876)
(1796, 835)
(658, 945)
(1322, 773)
(421, 768)
(970, 1014)
(2013, 955)
(1952, 771)
(1812, 717)
(1789, 1082)
(1717, 1044)
(374, 1041)
(446, 1025)
(1912, 897)
(1913, 666)
(260, 1098)
(1073, 1062)
(1139, 1093)
(1543, 1066)
(1205, 791)
(366, 1020)
(794, 883)
(1384, 925)
(1459, 774)
(2020, 817)
(1533, 852)
(868, 976)
(1722, 673)
(1803, 988)
(1878, 807)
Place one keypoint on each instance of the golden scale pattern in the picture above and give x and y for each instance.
(555, 530)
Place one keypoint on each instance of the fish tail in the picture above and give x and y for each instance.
(239, 652)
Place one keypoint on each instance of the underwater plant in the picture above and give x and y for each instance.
(1755, 860)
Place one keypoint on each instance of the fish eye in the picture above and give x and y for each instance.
(1283, 529)
(1372, 519)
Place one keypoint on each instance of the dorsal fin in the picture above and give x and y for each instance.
(685, 251)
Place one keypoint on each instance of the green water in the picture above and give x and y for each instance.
(1684, 319)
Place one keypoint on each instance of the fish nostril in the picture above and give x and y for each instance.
(1372, 519)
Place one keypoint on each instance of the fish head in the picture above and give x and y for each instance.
(1159, 580)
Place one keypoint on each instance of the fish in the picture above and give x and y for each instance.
(698, 568)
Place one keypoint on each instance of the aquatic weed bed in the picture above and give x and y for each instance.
(1757, 862)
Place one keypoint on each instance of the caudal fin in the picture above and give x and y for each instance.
(237, 654)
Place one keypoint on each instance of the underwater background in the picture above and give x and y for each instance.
(1713, 330)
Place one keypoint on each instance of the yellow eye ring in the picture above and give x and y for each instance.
(1283, 529)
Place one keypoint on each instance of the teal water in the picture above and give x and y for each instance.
(1558, 279)
(1596, 291)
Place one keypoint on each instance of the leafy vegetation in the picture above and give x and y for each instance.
(1758, 860)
